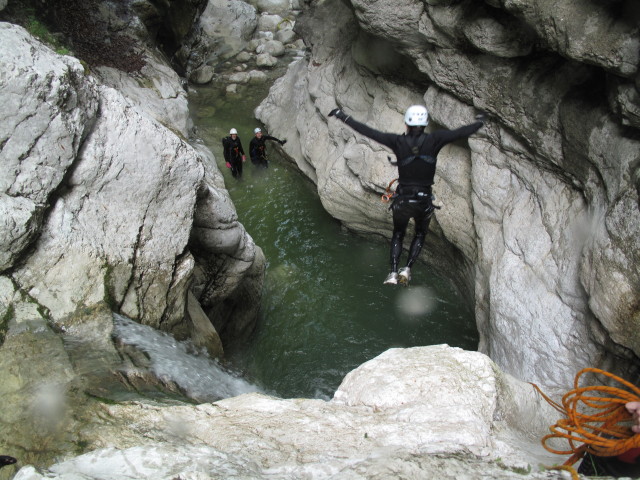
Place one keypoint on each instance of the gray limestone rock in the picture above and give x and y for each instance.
(103, 196)
(50, 106)
(271, 47)
(460, 418)
(273, 6)
(286, 36)
(202, 75)
(601, 33)
(269, 23)
(266, 60)
(156, 89)
(223, 29)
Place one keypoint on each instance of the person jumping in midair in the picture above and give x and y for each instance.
(416, 153)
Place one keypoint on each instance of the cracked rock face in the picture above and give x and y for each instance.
(49, 109)
(541, 221)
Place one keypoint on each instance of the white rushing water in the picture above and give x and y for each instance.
(201, 378)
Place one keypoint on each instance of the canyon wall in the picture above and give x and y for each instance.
(541, 216)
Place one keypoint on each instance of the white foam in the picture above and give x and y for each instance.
(201, 377)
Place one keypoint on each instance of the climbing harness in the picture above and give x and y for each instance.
(415, 150)
(595, 416)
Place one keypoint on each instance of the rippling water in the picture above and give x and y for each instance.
(324, 309)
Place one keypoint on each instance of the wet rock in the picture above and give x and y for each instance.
(285, 36)
(202, 75)
(244, 57)
(266, 60)
(256, 76)
(273, 6)
(239, 77)
(456, 420)
(269, 23)
(271, 47)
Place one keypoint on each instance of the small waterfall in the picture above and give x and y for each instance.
(196, 373)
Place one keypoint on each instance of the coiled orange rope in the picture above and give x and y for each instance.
(594, 417)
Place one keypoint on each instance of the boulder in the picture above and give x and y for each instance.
(161, 94)
(243, 57)
(53, 107)
(256, 76)
(202, 75)
(269, 23)
(266, 60)
(111, 220)
(271, 47)
(286, 36)
(274, 6)
(457, 418)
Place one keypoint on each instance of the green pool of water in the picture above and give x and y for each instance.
(324, 309)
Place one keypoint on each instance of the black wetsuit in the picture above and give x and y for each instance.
(258, 152)
(233, 153)
(417, 157)
(625, 465)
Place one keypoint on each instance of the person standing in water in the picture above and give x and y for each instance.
(257, 148)
(233, 153)
(416, 153)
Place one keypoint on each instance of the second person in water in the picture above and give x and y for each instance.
(416, 153)
(257, 148)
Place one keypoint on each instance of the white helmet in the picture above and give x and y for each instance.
(416, 116)
(257, 130)
(233, 131)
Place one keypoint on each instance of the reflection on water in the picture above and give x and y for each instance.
(324, 309)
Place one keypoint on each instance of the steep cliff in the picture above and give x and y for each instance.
(541, 219)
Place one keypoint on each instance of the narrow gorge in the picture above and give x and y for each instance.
(112, 205)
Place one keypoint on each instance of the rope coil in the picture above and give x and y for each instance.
(595, 416)
(389, 195)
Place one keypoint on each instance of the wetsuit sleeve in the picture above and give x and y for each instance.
(448, 136)
(225, 149)
(240, 149)
(269, 137)
(386, 139)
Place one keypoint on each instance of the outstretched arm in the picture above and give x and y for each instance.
(269, 137)
(386, 139)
